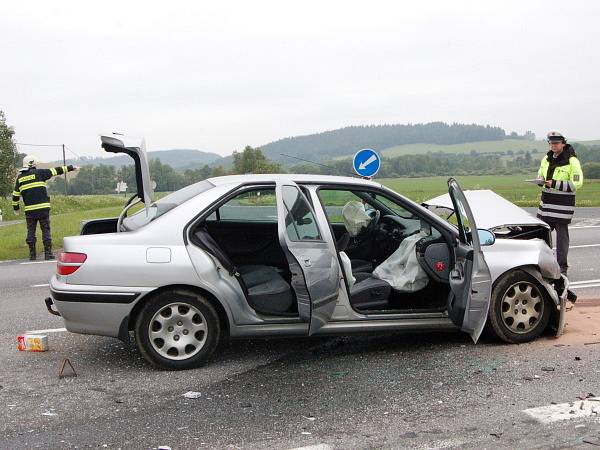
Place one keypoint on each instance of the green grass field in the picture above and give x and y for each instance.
(511, 187)
(68, 212)
(66, 216)
(515, 145)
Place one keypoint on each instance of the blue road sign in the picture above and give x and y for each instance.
(366, 162)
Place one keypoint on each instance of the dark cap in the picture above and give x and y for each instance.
(555, 136)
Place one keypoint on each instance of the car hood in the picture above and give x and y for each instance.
(491, 211)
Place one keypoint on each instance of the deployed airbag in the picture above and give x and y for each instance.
(402, 270)
(355, 217)
(347, 265)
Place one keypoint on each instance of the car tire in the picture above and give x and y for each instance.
(519, 308)
(177, 330)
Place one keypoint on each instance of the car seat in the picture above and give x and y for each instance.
(265, 289)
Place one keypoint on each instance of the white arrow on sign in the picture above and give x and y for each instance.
(368, 161)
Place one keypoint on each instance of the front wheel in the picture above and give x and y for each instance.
(519, 311)
(177, 330)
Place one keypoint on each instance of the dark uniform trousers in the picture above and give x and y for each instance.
(562, 243)
(32, 218)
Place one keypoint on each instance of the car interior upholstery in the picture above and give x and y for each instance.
(251, 251)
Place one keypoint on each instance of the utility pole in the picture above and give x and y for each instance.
(64, 164)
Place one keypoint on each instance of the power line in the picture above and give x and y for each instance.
(319, 164)
(48, 145)
(39, 145)
(72, 152)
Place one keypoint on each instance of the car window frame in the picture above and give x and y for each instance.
(216, 210)
(312, 211)
(422, 213)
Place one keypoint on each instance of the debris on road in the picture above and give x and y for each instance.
(192, 394)
(548, 369)
(32, 342)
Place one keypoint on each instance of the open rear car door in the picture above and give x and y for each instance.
(312, 260)
(470, 280)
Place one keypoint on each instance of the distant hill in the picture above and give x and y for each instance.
(390, 140)
(180, 159)
(346, 141)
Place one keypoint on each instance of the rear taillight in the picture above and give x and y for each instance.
(69, 262)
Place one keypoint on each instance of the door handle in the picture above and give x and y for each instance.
(455, 275)
(307, 262)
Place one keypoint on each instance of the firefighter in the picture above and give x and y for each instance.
(561, 174)
(31, 186)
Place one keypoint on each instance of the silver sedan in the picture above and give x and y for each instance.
(302, 255)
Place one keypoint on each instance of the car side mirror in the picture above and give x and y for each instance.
(486, 237)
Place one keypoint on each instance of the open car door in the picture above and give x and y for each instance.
(312, 260)
(470, 280)
(136, 148)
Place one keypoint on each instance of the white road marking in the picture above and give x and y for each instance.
(571, 283)
(314, 447)
(50, 330)
(565, 411)
(39, 285)
(581, 246)
(584, 286)
(37, 262)
(584, 226)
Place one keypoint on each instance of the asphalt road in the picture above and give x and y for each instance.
(390, 390)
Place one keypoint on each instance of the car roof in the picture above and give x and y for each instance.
(296, 178)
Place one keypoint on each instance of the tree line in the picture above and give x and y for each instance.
(102, 179)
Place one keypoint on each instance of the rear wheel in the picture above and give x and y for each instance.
(519, 311)
(177, 330)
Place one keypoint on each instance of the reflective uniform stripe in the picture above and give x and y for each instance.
(553, 214)
(15, 203)
(16, 194)
(65, 169)
(38, 206)
(32, 185)
(553, 206)
(54, 172)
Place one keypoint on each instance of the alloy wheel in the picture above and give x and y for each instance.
(178, 331)
(522, 307)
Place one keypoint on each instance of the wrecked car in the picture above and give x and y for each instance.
(299, 255)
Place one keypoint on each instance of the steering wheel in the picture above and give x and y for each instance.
(375, 215)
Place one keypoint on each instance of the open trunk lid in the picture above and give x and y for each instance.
(136, 148)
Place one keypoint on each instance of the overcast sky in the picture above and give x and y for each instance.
(217, 76)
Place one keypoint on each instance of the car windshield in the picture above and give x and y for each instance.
(166, 204)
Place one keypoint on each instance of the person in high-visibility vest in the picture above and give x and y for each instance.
(30, 186)
(561, 172)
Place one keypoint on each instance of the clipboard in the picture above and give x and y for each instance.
(538, 181)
